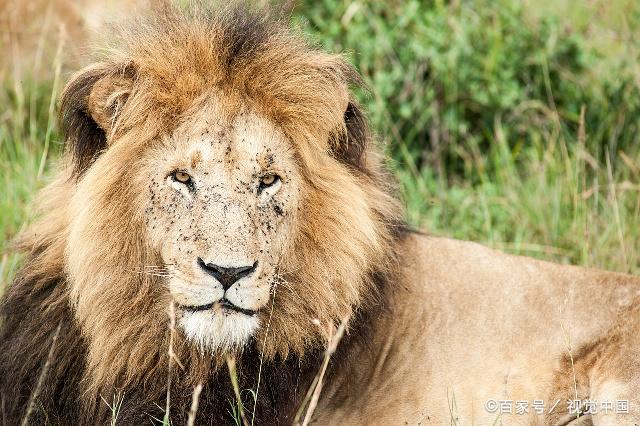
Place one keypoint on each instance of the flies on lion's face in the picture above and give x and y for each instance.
(220, 211)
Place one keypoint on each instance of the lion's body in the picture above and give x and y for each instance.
(469, 325)
(221, 198)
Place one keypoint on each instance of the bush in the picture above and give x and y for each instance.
(444, 78)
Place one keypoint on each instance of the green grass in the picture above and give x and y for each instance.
(553, 201)
(28, 144)
(29, 141)
(480, 104)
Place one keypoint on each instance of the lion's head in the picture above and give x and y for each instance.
(216, 161)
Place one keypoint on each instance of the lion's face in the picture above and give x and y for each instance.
(220, 208)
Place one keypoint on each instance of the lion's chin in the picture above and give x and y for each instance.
(218, 330)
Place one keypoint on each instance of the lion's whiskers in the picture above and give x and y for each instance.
(154, 270)
(157, 274)
(167, 271)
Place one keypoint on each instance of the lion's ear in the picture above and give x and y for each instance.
(352, 141)
(90, 106)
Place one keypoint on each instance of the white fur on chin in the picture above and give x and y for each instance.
(218, 330)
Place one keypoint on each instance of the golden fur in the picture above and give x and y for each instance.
(138, 94)
(145, 99)
(433, 320)
(471, 325)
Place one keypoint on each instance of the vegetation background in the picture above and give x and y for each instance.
(512, 123)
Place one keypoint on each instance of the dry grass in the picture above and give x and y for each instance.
(43, 373)
(310, 402)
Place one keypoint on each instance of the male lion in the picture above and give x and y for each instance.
(221, 200)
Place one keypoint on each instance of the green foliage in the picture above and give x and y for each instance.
(480, 103)
(444, 76)
(27, 143)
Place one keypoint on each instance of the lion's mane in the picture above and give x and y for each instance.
(75, 357)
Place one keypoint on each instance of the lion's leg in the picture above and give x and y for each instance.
(609, 400)
(607, 386)
(604, 376)
(618, 403)
(600, 386)
(614, 376)
(570, 383)
(582, 421)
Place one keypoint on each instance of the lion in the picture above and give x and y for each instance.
(222, 213)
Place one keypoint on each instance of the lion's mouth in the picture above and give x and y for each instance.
(222, 304)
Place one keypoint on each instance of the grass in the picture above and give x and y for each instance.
(553, 200)
(515, 124)
(28, 142)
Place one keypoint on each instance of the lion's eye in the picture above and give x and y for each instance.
(268, 180)
(182, 177)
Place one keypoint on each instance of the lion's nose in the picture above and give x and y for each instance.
(227, 275)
